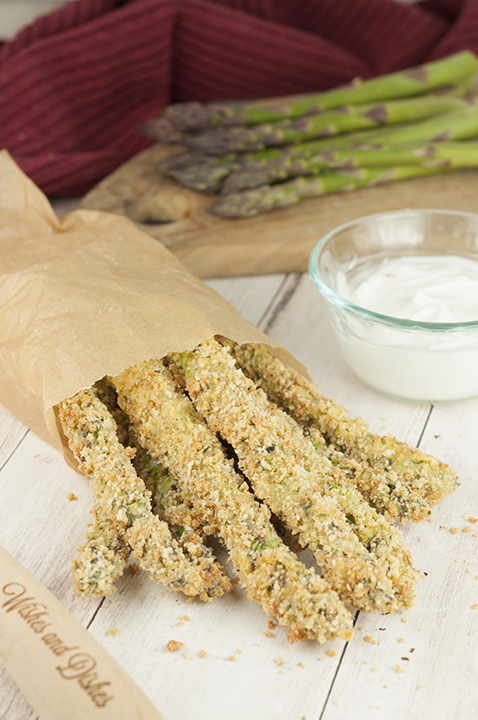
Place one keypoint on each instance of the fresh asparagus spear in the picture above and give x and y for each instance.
(300, 486)
(458, 154)
(221, 141)
(170, 429)
(406, 83)
(250, 203)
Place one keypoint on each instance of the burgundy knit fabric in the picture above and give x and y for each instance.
(76, 84)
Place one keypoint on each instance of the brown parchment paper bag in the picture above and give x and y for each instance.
(87, 296)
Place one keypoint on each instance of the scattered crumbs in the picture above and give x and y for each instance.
(186, 656)
(458, 559)
(472, 520)
(404, 619)
(238, 652)
(443, 527)
(411, 650)
(338, 702)
(385, 687)
(371, 640)
(184, 618)
(331, 652)
(300, 665)
(211, 630)
(406, 659)
(113, 600)
(475, 606)
(454, 530)
(71, 496)
(202, 653)
(466, 529)
(113, 631)
(269, 634)
(133, 569)
(382, 628)
(189, 600)
(401, 640)
(280, 661)
(235, 581)
(399, 668)
(430, 519)
(366, 662)
(374, 669)
(271, 624)
(174, 646)
(419, 687)
(362, 627)
(231, 658)
(468, 571)
(280, 672)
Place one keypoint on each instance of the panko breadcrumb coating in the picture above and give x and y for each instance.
(166, 499)
(401, 479)
(121, 496)
(362, 556)
(167, 425)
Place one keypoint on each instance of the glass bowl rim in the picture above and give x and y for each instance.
(337, 300)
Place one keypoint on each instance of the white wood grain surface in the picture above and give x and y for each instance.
(420, 665)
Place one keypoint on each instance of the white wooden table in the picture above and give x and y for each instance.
(422, 664)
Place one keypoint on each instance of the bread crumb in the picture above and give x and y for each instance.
(174, 646)
(466, 529)
(113, 600)
(404, 620)
(399, 668)
(231, 658)
(331, 652)
(133, 569)
(401, 640)
(280, 661)
(338, 702)
(419, 687)
(71, 496)
(371, 640)
(269, 634)
(186, 656)
(113, 631)
(475, 606)
(271, 624)
(454, 530)
(202, 653)
(300, 665)
(472, 520)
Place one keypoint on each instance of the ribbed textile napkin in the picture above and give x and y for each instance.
(76, 84)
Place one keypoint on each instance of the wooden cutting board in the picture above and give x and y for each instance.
(275, 242)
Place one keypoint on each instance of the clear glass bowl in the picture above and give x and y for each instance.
(404, 359)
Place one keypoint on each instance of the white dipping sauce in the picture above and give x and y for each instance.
(413, 363)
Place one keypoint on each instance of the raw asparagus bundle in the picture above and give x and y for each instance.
(250, 203)
(406, 83)
(252, 151)
(252, 170)
(347, 118)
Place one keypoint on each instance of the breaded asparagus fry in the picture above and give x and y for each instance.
(382, 488)
(361, 554)
(121, 497)
(172, 431)
(409, 472)
(101, 560)
(167, 502)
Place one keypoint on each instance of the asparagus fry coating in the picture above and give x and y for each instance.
(167, 502)
(101, 561)
(121, 496)
(250, 203)
(406, 83)
(170, 429)
(458, 154)
(360, 553)
(423, 474)
(283, 385)
(345, 119)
